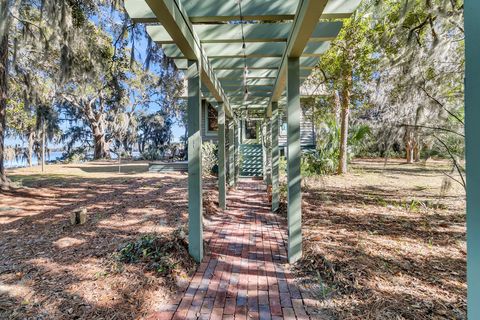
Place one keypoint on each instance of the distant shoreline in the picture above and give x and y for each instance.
(23, 163)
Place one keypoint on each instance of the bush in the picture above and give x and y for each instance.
(314, 162)
(282, 164)
(167, 255)
(152, 154)
(75, 155)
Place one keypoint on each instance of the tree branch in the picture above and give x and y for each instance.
(455, 163)
(433, 128)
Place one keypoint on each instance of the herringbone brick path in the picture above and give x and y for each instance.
(243, 274)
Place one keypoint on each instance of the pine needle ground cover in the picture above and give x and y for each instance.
(126, 260)
(384, 242)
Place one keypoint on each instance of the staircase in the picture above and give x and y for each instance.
(252, 160)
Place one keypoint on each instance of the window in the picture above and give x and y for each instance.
(212, 119)
(283, 128)
(250, 129)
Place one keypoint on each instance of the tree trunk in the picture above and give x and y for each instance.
(409, 153)
(3, 92)
(416, 152)
(337, 106)
(344, 117)
(409, 145)
(31, 141)
(101, 147)
(43, 145)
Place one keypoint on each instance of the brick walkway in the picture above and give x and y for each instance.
(243, 276)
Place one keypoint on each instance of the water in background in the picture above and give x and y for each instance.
(19, 163)
(54, 156)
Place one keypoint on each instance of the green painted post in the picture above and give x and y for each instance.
(242, 130)
(195, 207)
(221, 157)
(472, 134)
(231, 155)
(238, 139)
(264, 151)
(268, 152)
(294, 210)
(275, 158)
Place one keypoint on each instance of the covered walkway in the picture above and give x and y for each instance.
(249, 59)
(243, 274)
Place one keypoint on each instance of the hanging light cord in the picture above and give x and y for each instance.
(244, 47)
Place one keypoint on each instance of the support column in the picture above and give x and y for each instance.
(238, 141)
(268, 153)
(231, 154)
(472, 134)
(263, 135)
(294, 211)
(275, 158)
(221, 157)
(195, 205)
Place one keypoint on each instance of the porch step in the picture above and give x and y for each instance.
(252, 160)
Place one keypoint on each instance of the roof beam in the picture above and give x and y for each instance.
(253, 89)
(252, 63)
(239, 73)
(232, 33)
(250, 82)
(232, 50)
(308, 13)
(240, 93)
(174, 18)
(267, 10)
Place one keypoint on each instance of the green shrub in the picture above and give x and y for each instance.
(166, 255)
(324, 160)
(75, 155)
(152, 154)
(315, 162)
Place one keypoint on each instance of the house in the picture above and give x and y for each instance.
(251, 150)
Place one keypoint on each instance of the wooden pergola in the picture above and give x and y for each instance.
(243, 55)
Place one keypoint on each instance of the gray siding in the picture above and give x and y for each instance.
(307, 131)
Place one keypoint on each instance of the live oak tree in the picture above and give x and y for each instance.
(419, 100)
(4, 26)
(92, 75)
(94, 86)
(58, 19)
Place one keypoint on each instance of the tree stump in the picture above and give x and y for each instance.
(78, 216)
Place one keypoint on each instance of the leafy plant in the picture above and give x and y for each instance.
(324, 159)
(165, 255)
(75, 155)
